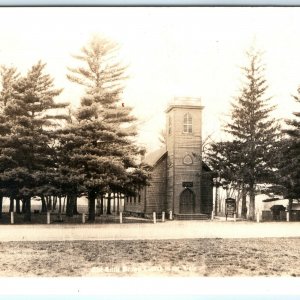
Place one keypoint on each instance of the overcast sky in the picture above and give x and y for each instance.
(170, 52)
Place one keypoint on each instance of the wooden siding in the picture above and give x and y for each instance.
(153, 196)
(179, 145)
(206, 192)
(156, 191)
(169, 173)
(135, 206)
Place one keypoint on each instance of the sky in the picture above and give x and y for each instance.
(170, 52)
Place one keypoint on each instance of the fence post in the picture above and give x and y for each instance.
(163, 216)
(257, 216)
(48, 217)
(12, 217)
(287, 216)
(121, 217)
(83, 218)
(170, 215)
(234, 217)
(154, 217)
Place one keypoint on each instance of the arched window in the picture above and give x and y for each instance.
(187, 123)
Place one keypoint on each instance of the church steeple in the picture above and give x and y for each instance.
(184, 143)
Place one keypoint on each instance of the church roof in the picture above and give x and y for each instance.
(152, 158)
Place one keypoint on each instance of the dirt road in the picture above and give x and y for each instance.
(167, 230)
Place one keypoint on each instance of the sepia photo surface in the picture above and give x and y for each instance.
(149, 142)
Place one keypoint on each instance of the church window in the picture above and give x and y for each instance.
(170, 125)
(187, 160)
(187, 123)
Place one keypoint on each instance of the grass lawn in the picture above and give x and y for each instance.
(184, 257)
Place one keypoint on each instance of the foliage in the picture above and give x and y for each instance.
(249, 157)
(27, 157)
(289, 159)
(99, 144)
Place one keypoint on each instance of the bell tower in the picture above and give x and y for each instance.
(184, 165)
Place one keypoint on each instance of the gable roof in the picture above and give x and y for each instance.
(154, 157)
(205, 167)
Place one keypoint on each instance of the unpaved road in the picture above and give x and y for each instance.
(167, 230)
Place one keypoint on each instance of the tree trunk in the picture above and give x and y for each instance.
(1, 204)
(244, 203)
(118, 203)
(64, 204)
(98, 201)
(101, 205)
(54, 203)
(114, 203)
(216, 199)
(290, 207)
(44, 205)
(67, 203)
(49, 204)
(18, 209)
(70, 205)
(252, 201)
(238, 198)
(27, 204)
(75, 211)
(11, 204)
(23, 206)
(59, 208)
(92, 203)
(108, 211)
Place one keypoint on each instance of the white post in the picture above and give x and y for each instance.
(257, 216)
(121, 217)
(12, 217)
(212, 215)
(163, 216)
(234, 217)
(170, 215)
(287, 216)
(83, 218)
(154, 217)
(48, 217)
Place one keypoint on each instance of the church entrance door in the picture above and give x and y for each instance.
(187, 202)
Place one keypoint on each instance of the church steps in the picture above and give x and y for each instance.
(191, 217)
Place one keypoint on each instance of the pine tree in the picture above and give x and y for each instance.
(103, 77)
(9, 75)
(99, 158)
(226, 159)
(27, 157)
(105, 155)
(289, 158)
(253, 128)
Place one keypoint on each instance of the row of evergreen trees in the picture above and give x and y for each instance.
(257, 150)
(47, 151)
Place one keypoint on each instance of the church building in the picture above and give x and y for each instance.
(181, 182)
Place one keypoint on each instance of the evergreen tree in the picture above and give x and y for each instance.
(226, 159)
(103, 77)
(9, 75)
(253, 128)
(289, 158)
(99, 158)
(27, 157)
(105, 155)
